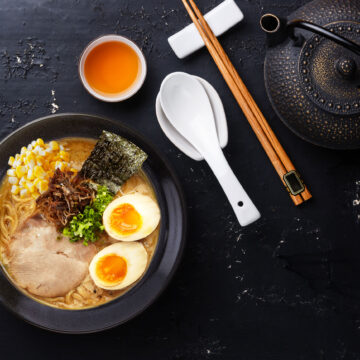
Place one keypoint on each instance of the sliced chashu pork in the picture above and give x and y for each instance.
(45, 263)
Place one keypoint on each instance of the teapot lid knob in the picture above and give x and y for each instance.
(346, 67)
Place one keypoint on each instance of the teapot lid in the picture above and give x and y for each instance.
(329, 73)
(315, 88)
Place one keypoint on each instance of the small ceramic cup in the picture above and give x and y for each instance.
(126, 93)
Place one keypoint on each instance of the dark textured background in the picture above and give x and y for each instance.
(286, 287)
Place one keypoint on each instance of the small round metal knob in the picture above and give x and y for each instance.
(346, 67)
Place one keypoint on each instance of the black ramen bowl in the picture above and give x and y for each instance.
(169, 247)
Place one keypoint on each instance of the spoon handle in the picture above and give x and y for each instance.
(244, 209)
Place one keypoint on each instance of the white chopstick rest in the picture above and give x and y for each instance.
(220, 19)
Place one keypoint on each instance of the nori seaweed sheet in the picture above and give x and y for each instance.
(112, 161)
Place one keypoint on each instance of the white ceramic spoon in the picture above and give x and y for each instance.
(187, 107)
(220, 122)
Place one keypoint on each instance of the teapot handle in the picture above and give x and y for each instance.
(306, 25)
(278, 29)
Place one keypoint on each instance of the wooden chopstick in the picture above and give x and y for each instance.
(246, 94)
(266, 136)
(275, 160)
(242, 87)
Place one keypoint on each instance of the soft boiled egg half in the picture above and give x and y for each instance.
(118, 265)
(131, 217)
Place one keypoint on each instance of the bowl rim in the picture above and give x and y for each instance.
(142, 285)
(134, 88)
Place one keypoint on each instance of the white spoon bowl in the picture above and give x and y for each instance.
(178, 140)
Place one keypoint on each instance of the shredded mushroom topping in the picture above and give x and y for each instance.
(66, 197)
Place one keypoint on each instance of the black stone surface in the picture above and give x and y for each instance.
(286, 287)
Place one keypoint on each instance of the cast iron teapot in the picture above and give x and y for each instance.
(312, 71)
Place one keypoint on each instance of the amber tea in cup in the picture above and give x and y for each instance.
(112, 68)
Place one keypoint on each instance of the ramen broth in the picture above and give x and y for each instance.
(13, 212)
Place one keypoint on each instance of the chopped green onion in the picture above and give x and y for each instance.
(87, 226)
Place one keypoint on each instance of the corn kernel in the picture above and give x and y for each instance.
(23, 193)
(29, 156)
(31, 164)
(22, 181)
(54, 145)
(13, 180)
(60, 165)
(15, 189)
(29, 147)
(42, 186)
(30, 186)
(39, 172)
(64, 155)
(46, 164)
(40, 142)
(20, 171)
(11, 160)
(23, 150)
(11, 172)
(39, 150)
(30, 174)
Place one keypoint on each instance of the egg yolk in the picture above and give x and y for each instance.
(111, 268)
(125, 220)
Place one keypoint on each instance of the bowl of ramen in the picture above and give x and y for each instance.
(92, 223)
